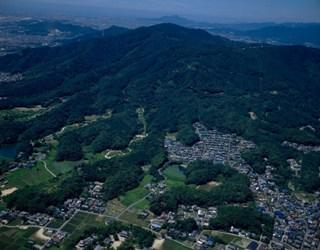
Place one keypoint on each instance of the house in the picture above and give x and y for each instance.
(156, 225)
(252, 246)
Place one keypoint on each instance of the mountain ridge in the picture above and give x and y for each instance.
(191, 74)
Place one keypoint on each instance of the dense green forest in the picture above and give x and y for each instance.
(247, 218)
(179, 76)
(39, 199)
(187, 135)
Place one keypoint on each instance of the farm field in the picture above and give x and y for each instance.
(21, 238)
(78, 225)
(170, 245)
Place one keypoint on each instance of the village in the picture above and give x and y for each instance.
(296, 221)
(7, 77)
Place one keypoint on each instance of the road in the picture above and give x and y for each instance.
(132, 205)
(48, 170)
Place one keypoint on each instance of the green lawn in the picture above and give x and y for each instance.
(13, 239)
(136, 194)
(174, 176)
(170, 245)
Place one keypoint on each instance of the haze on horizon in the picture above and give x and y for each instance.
(202, 10)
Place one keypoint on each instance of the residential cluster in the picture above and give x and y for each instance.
(201, 216)
(156, 188)
(91, 203)
(297, 222)
(86, 204)
(300, 147)
(26, 218)
(213, 145)
(109, 242)
(7, 77)
(39, 154)
(56, 237)
(204, 242)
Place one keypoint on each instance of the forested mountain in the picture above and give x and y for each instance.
(179, 76)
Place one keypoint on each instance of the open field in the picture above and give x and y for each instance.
(81, 221)
(136, 194)
(170, 245)
(174, 176)
(114, 207)
(229, 238)
(58, 167)
(132, 218)
(21, 238)
(28, 176)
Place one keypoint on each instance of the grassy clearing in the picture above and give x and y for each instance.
(114, 207)
(21, 113)
(174, 176)
(28, 176)
(58, 167)
(209, 185)
(170, 245)
(20, 237)
(229, 238)
(132, 218)
(141, 118)
(136, 194)
(38, 174)
(143, 205)
(94, 118)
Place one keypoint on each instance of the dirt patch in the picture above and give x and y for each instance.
(213, 183)
(253, 116)
(157, 244)
(8, 191)
(41, 236)
(117, 243)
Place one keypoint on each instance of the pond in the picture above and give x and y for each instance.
(8, 151)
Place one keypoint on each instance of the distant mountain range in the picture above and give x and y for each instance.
(307, 34)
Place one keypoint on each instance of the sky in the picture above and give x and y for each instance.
(201, 10)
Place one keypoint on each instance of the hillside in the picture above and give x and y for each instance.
(178, 76)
